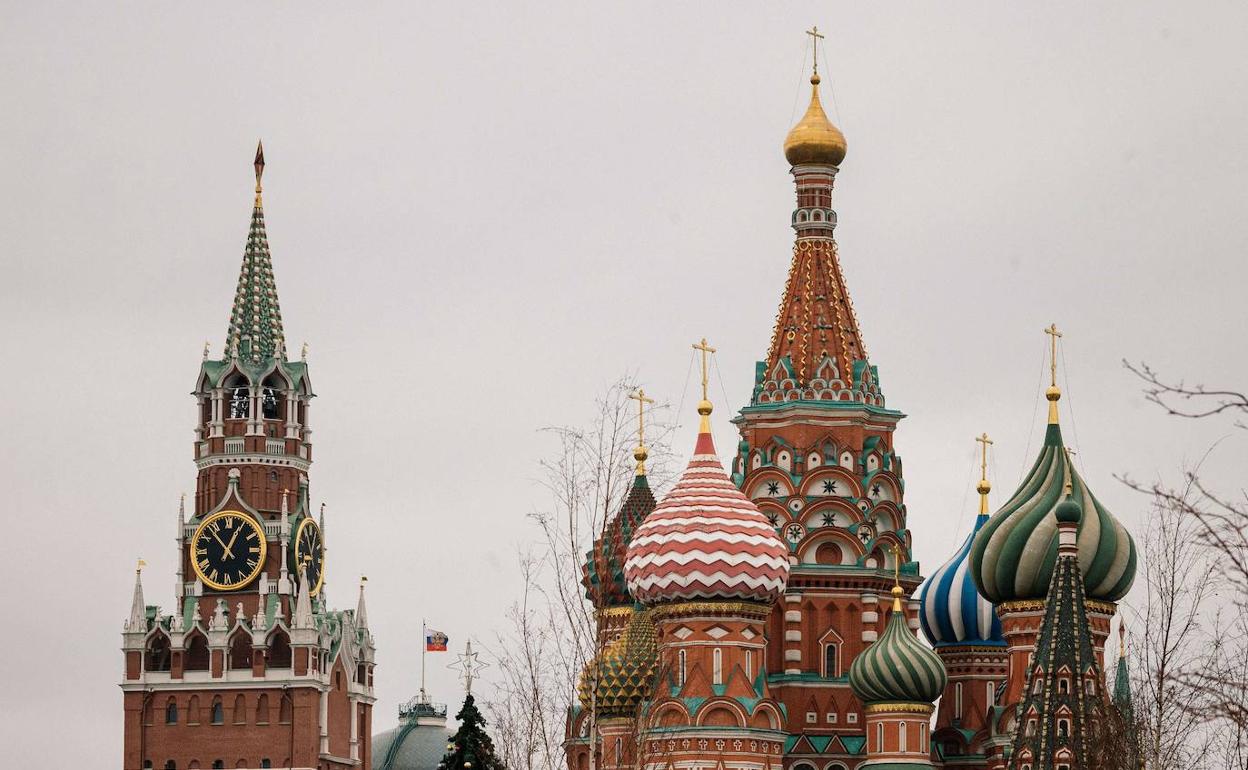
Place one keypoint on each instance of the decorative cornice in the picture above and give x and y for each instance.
(908, 708)
(748, 610)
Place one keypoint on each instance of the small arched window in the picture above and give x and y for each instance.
(240, 651)
(717, 666)
(239, 398)
(279, 650)
(218, 763)
(680, 671)
(218, 711)
(240, 710)
(1063, 728)
(266, 762)
(192, 710)
(262, 709)
(171, 765)
(1063, 686)
(287, 710)
(830, 668)
(197, 655)
(157, 657)
(171, 712)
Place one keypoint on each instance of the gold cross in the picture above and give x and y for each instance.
(814, 53)
(706, 350)
(983, 458)
(1053, 334)
(641, 399)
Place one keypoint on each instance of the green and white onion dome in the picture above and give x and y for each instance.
(897, 667)
(1014, 553)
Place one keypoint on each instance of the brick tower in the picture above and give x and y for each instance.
(250, 669)
(817, 456)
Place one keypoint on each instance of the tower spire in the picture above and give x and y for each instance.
(138, 608)
(983, 487)
(705, 407)
(361, 611)
(255, 332)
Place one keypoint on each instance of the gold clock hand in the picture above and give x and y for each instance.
(229, 554)
(220, 542)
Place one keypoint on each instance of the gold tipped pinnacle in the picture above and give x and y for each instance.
(815, 37)
(640, 454)
(983, 487)
(139, 566)
(1053, 393)
(705, 407)
(897, 590)
(259, 164)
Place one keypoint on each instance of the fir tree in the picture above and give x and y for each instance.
(470, 747)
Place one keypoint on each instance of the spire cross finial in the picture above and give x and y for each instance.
(983, 487)
(139, 566)
(1053, 334)
(259, 164)
(815, 37)
(706, 350)
(897, 590)
(640, 454)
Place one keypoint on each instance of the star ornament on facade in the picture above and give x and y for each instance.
(469, 666)
(829, 487)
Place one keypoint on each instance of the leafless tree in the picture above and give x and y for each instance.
(1212, 577)
(552, 633)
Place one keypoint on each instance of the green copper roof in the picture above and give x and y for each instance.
(255, 332)
(897, 667)
(602, 574)
(1014, 553)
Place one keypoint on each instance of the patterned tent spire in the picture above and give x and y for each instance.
(1064, 693)
(255, 332)
(1122, 680)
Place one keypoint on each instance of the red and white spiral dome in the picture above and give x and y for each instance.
(706, 540)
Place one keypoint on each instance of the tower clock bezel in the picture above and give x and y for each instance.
(295, 543)
(248, 521)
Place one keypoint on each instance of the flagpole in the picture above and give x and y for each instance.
(424, 648)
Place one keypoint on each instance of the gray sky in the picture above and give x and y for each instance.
(481, 214)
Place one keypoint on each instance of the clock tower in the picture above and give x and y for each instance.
(249, 668)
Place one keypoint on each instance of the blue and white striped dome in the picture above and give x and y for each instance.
(951, 610)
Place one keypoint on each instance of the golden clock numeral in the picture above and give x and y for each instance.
(251, 563)
(215, 526)
(227, 579)
(229, 522)
(201, 551)
(204, 565)
(212, 575)
(254, 549)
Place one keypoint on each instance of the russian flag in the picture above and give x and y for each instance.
(435, 641)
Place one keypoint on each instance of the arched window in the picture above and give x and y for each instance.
(903, 733)
(279, 650)
(337, 680)
(680, 670)
(879, 736)
(240, 710)
(287, 710)
(171, 712)
(262, 709)
(157, 656)
(269, 403)
(171, 765)
(218, 711)
(1063, 686)
(830, 668)
(749, 664)
(240, 651)
(197, 656)
(192, 710)
(266, 762)
(1063, 728)
(239, 396)
(717, 666)
(218, 764)
(147, 764)
(957, 701)
(828, 553)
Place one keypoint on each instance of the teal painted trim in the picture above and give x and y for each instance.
(820, 742)
(854, 744)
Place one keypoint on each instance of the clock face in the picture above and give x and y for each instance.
(228, 550)
(310, 554)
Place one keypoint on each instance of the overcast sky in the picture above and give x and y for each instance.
(481, 214)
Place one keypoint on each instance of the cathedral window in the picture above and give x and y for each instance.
(240, 651)
(903, 735)
(269, 404)
(218, 711)
(879, 736)
(262, 710)
(197, 655)
(157, 657)
(830, 669)
(922, 737)
(279, 650)
(957, 701)
(1031, 728)
(990, 696)
(1063, 728)
(239, 406)
(717, 666)
(1063, 686)
(171, 712)
(287, 710)
(680, 671)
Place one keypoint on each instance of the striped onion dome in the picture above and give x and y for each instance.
(1013, 555)
(897, 667)
(706, 540)
(625, 670)
(951, 610)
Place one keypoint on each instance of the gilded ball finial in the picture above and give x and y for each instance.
(814, 79)
(640, 454)
(1053, 393)
(983, 487)
(705, 407)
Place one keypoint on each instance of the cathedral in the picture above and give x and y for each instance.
(766, 616)
(763, 615)
(250, 668)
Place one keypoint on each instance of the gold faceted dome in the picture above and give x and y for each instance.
(814, 139)
(624, 671)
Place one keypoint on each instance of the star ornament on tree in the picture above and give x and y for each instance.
(469, 666)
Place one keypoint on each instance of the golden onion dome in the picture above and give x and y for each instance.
(624, 670)
(814, 139)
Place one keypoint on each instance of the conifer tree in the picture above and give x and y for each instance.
(470, 747)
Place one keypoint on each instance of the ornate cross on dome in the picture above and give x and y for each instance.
(815, 37)
(706, 350)
(983, 487)
(640, 454)
(469, 666)
(1053, 334)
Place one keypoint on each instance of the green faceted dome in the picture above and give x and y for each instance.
(897, 667)
(625, 670)
(1015, 552)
